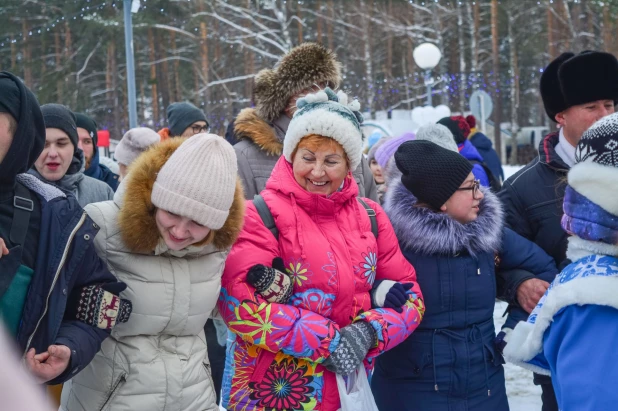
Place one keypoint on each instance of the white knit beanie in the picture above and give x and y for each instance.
(198, 181)
(327, 114)
(133, 143)
(438, 134)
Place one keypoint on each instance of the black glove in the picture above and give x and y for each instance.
(390, 294)
(272, 283)
(99, 305)
(356, 340)
(502, 339)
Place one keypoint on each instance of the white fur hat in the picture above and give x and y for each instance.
(133, 143)
(327, 114)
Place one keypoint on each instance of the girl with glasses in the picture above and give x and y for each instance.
(451, 230)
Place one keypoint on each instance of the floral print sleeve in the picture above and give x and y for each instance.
(392, 327)
(275, 327)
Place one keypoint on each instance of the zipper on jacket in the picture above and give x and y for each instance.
(122, 379)
(62, 261)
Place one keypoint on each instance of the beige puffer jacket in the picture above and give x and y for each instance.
(157, 361)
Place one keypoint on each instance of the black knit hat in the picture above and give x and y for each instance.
(59, 116)
(571, 79)
(453, 127)
(29, 138)
(182, 115)
(430, 172)
(88, 124)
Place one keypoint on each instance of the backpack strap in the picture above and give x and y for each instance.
(372, 217)
(269, 221)
(265, 215)
(22, 207)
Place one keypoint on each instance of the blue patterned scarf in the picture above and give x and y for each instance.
(587, 220)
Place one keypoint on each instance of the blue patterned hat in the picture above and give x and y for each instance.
(330, 115)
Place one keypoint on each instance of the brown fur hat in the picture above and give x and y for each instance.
(136, 218)
(299, 69)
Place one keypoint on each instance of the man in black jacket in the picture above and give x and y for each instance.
(56, 294)
(577, 90)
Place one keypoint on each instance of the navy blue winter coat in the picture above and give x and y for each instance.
(450, 361)
(485, 148)
(100, 172)
(66, 261)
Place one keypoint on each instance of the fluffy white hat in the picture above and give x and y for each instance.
(330, 115)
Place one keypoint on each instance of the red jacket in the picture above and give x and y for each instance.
(329, 250)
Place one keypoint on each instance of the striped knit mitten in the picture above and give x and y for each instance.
(356, 340)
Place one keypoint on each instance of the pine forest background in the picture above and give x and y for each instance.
(207, 51)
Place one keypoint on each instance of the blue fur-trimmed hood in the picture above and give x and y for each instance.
(429, 233)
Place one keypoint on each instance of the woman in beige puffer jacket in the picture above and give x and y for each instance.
(166, 234)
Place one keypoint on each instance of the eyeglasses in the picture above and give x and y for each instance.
(200, 129)
(475, 188)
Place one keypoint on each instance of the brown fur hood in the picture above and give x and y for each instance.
(136, 218)
(299, 69)
(250, 126)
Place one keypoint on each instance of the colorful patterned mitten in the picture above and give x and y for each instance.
(99, 305)
(271, 282)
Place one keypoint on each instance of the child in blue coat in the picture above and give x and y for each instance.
(570, 335)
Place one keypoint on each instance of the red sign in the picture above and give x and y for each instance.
(103, 138)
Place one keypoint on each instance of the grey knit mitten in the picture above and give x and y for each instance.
(356, 340)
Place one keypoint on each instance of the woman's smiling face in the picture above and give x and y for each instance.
(321, 169)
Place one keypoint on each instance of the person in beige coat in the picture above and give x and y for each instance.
(167, 234)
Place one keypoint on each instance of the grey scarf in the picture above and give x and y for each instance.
(71, 180)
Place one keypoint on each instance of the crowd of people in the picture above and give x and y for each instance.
(277, 266)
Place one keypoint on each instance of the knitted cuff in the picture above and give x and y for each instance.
(272, 284)
(379, 291)
(97, 307)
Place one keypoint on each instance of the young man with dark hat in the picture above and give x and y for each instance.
(87, 134)
(57, 298)
(260, 130)
(61, 162)
(577, 90)
(184, 120)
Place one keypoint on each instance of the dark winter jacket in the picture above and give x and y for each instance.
(532, 200)
(100, 172)
(470, 153)
(485, 148)
(66, 261)
(450, 361)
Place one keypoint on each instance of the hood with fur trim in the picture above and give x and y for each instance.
(299, 69)
(429, 233)
(250, 126)
(136, 218)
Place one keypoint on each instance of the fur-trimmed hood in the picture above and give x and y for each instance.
(299, 69)
(249, 125)
(427, 232)
(136, 218)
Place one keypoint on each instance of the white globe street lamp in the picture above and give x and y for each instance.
(427, 56)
